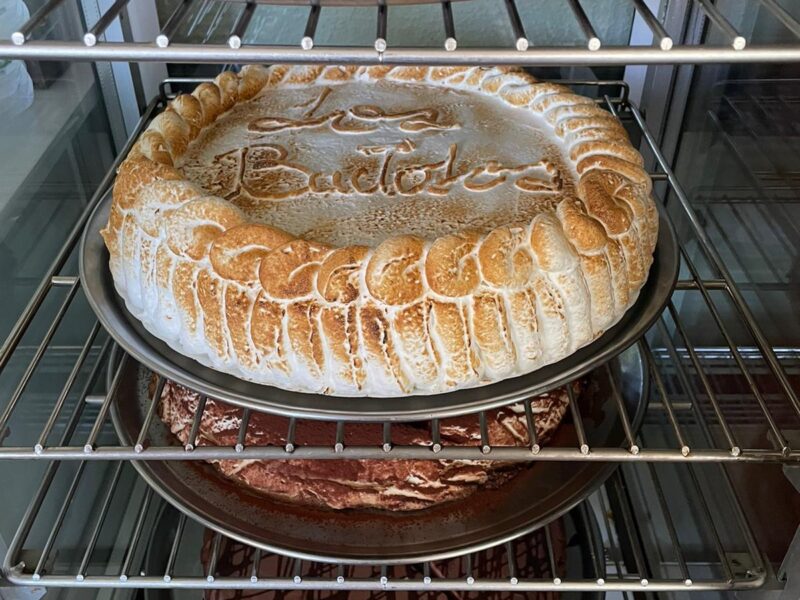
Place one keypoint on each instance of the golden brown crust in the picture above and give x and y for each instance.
(410, 315)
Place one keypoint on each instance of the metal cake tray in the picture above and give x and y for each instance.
(541, 492)
(129, 333)
(574, 553)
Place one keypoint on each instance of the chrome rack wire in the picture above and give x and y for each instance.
(110, 550)
(168, 46)
(694, 388)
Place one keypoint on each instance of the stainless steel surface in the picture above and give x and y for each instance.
(621, 563)
(522, 51)
(537, 495)
(696, 389)
(161, 358)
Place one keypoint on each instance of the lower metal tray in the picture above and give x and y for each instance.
(574, 543)
(129, 333)
(541, 492)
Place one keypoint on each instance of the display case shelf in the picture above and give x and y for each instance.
(521, 50)
(697, 390)
(118, 551)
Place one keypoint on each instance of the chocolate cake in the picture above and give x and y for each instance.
(397, 485)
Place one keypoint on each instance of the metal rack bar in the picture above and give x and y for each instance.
(242, 23)
(577, 421)
(623, 412)
(380, 35)
(540, 55)
(90, 37)
(62, 397)
(738, 42)
(20, 36)
(783, 16)
(59, 521)
(34, 362)
(721, 420)
(242, 437)
(660, 35)
(151, 411)
(592, 41)
(91, 440)
(664, 397)
(307, 43)
(450, 43)
(521, 42)
(164, 38)
(98, 524)
(191, 442)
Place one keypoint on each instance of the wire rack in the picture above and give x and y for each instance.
(168, 45)
(696, 394)
(718, 554)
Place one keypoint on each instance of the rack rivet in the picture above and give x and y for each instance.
(380, 45)
(253, 579)
(340, 579)
(297, 579)
(289, 448)
(688, 582)
(79, 577)
(123, 578)
(235, 42)
(736, 451)
(307, 43)
(426, 580)
(38, 448)
(645, 582)
(522, 44)
(18, 38)
(665, 43)
(486, 448)
(88, 448)
(188, 447)
(384, 580)
(162, 41)
(238, 447)
(594, 44)
(584, 449)
(557, 580)
(634, 449)
(387, 447)
(167, 578)
(514, 581)
(339, 447)
(536, 448)
(470, 580)
(685, 451)
(450, 44)
(90, 39)
(210, 579)
(601, 581)
(36, 577)
(138, 448)
(437, 447)
(739, 43)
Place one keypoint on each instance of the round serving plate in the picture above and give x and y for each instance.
(234, 561)
(131, 335)
(541, 492)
